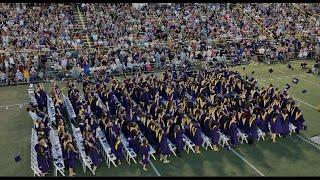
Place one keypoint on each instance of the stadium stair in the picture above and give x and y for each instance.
(309, 17)
(81, 27)
(256, 22)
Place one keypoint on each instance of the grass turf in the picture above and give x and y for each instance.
(289, 156)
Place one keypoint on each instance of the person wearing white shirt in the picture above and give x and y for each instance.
(19, 76)
(33, 115)
(2, 76)
(64, 63)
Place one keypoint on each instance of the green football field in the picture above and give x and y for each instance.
(291, 156)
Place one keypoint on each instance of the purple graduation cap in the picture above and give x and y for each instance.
(17, 158)
(295, 80)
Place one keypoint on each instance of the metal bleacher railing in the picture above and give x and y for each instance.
(48, 71)
(195, 64)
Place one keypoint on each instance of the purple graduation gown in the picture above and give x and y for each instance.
(163, 145)
(197, 137)
(71, 159)
(144, 151)
(43, 163)
(93, 153)
(214, 135)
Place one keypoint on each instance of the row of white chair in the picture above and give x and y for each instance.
(31, 95)
(68, 106)
(129, 152)
(56, 150)
(34, 162)
(104, 145)
(51, 110)
(85, 160)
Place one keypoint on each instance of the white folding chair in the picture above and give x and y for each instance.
(188, 144)
(223, 139)
(242, 136)
(292, 128)
(261, 134)
(206, 141)
(172, 147)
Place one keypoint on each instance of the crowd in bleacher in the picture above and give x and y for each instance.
(41, 37)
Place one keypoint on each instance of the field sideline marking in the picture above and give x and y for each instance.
(302, 76)
(294, 98)
(308, 141)
(252, 166)
(154, 168)
(13, 105)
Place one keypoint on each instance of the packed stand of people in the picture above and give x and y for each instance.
(311, 9)
(33, 33)
(294, 34)
(125, 38)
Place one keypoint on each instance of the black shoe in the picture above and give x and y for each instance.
(305, 128)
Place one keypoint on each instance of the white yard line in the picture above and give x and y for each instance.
(308, 141)
(252, 166)
(294, 98)
(310, 82)
(154, 168)
(13, 105)
(302, 76)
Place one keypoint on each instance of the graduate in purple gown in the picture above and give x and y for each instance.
(92, 151)
(118, 149)
(71, 158)
(164, 149)
(262, 122)
(253, 131)
(134, 142)
(144, 151)
(178, 139)
(298, 121)
(197, 138)
(214, 135)
(42, 158)
(276, 126)
(285, 123)
(233, 130)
